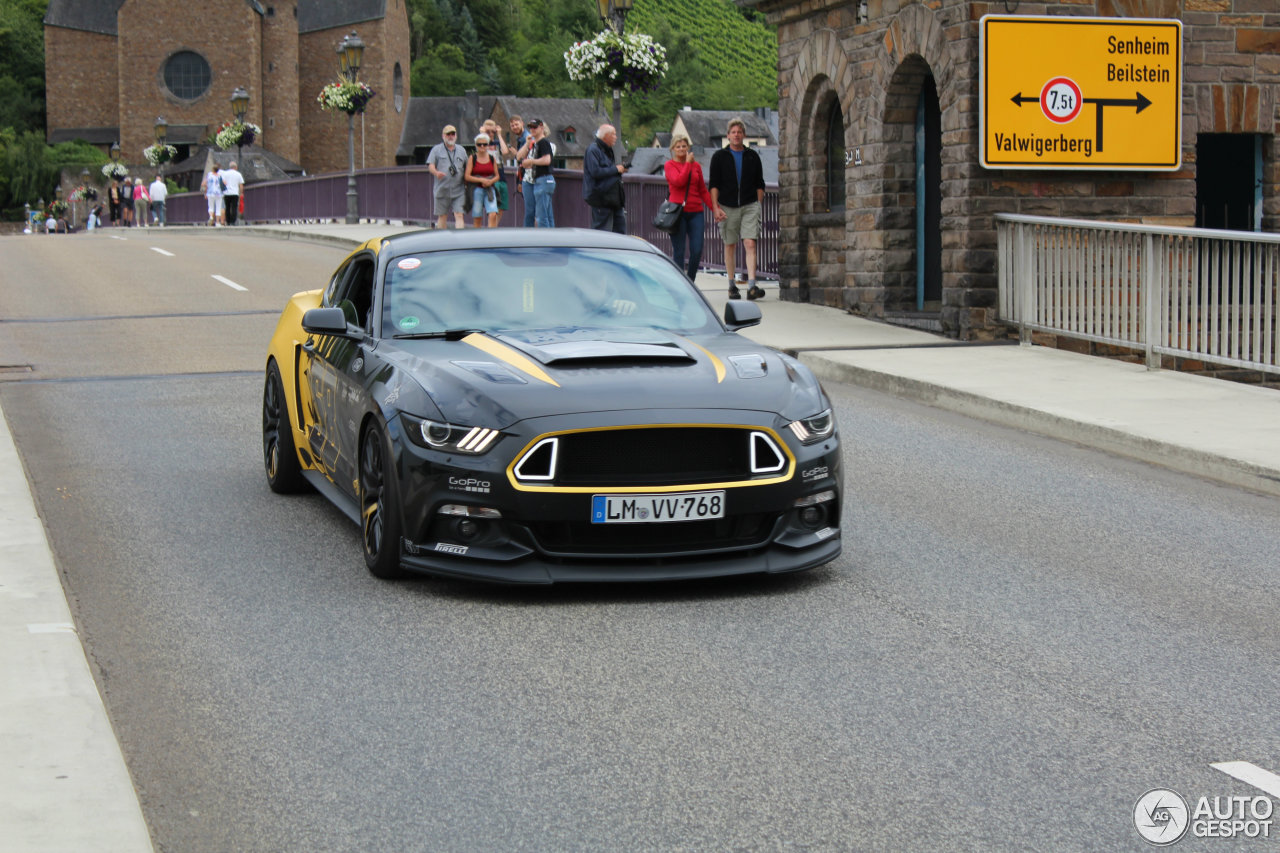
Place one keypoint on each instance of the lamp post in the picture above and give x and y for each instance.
(84, 182)
(239, 106)
(614, 14)
(350, 53)
(162, 134)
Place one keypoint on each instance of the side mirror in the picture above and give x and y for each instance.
(325, 321)
(740, 315)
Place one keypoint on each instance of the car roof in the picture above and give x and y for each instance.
(446, 239)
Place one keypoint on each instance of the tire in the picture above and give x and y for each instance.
(379, 507)
(280, 457)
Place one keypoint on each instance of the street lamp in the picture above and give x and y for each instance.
(162, 134)
(350, 53)
(239, 106)
(614, 14)
(84, 182)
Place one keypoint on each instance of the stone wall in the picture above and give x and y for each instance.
(875, 67)
(80, 79)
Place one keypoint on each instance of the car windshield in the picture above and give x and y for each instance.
(509, 289)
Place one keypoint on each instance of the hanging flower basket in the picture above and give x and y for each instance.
(233, 134)
(115, 171)
(158, 155)
(633, 61)
(345, 97)
(57, 209)
(83, 193)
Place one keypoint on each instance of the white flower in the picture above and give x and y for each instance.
(633, 61)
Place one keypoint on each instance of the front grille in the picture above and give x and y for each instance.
(644, 540)
(662, 456)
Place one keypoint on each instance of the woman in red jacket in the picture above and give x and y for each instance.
(686, 184)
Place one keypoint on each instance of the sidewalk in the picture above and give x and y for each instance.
(66, 785)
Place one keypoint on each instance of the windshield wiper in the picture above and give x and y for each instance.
(447, 334)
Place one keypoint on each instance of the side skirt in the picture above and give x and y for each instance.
(335, 495)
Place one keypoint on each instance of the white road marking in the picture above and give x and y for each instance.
(52, 628)
(118, 237)
(1252, 774)
(229, 283)
(162, 251)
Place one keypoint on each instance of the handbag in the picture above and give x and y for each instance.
(668, 216)
(667, 219)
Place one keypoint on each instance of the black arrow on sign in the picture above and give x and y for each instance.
(1019, 100)
(1139, 102)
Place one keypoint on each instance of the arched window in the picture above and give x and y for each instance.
(835, 157)
(187, 75)
(397, 87)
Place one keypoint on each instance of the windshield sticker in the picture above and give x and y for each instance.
(409, 322)
(409, 263)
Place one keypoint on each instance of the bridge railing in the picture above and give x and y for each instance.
(404, 194)
(1196, 293)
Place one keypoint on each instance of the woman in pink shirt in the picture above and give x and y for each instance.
(686, 184)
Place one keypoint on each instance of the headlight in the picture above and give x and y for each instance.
(816, 428)
(448, 437)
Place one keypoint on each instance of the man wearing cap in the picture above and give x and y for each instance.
(544, 183)
(446, 163)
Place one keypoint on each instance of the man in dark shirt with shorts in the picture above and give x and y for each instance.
(737, 188)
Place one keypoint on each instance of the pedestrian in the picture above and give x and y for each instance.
(159, 192)
(685, 185)
(500, 151)
(737, 188)
(481, 174)
(602, 183)
(141, 204)
(446, 164)
(126, 202)
(113, 201)
(520, 140)
(211, 186)
(544, 182)
(95, 218)
(234, 182)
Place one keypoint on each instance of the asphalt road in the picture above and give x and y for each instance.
(1022, 637)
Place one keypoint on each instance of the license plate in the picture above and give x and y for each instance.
(647, 509)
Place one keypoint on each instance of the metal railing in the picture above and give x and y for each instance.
(1195, 293)
(404, 194)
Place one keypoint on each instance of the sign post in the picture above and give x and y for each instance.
(1080, 93)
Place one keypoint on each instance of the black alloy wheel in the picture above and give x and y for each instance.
(284, 473)
(379, 507)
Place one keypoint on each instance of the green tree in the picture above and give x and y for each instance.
(22, 64)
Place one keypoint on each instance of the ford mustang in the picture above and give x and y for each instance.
(545, 405)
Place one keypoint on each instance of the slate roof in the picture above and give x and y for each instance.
(99, 16)
(92, 135)
(649, 161)
(426, 118)
(94, 16)
(708, 127)
(255, 163)
(559, 114)
(315, 15)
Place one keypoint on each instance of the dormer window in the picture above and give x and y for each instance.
(570, 134)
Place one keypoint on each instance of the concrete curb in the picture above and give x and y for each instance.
(66, 786)
(1165, 454)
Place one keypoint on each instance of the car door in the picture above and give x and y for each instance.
(333, 370)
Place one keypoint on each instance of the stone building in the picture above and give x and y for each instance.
(886, 207)
(113, 66)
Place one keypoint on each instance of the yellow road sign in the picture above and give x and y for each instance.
(1080, 93)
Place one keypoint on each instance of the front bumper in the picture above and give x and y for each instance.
(544, 535)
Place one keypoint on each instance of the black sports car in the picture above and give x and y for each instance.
(541, 405)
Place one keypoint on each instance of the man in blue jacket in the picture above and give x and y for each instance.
(737, 188)
(602, 183)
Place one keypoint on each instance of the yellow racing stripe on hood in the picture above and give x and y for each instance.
(510, 356)
(715, 361)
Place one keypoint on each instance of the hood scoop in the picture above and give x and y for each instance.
(565, 347)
